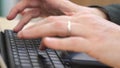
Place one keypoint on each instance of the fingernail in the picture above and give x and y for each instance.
(15, 30)
(42, 47)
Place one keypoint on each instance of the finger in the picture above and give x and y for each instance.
(50, 29)
(42, 46)
(76, 44)
(27, 16)
(54, 29)
(70, 9)
(17, 9)
(51, 19)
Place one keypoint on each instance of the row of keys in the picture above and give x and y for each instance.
(26, 53)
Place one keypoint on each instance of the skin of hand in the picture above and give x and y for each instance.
(35, 8)
(90, 34)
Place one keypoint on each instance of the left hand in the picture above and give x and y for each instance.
(90, 34)
(40, 8)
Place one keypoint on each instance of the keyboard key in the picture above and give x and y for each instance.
(26, 65)
(26, 53)
(25, 61)
(35, 64)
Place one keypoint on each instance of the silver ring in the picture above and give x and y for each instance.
(69, 27)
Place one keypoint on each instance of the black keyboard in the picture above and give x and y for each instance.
(26, 53)
(23, 53)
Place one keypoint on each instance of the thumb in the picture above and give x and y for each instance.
(68, 44)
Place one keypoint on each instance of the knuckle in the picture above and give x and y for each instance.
(86, 12)
(60, 28)
(58, 25)
(18, 9)
(88, 16)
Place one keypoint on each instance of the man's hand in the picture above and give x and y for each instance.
(34, 8)
(89, 33)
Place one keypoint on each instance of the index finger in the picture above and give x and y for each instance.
(17, 9)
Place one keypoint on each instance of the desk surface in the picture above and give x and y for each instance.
(7, 24)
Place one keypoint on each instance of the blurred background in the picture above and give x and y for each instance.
(6, 5)
(96, 2)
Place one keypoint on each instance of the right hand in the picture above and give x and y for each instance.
(89, 33)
